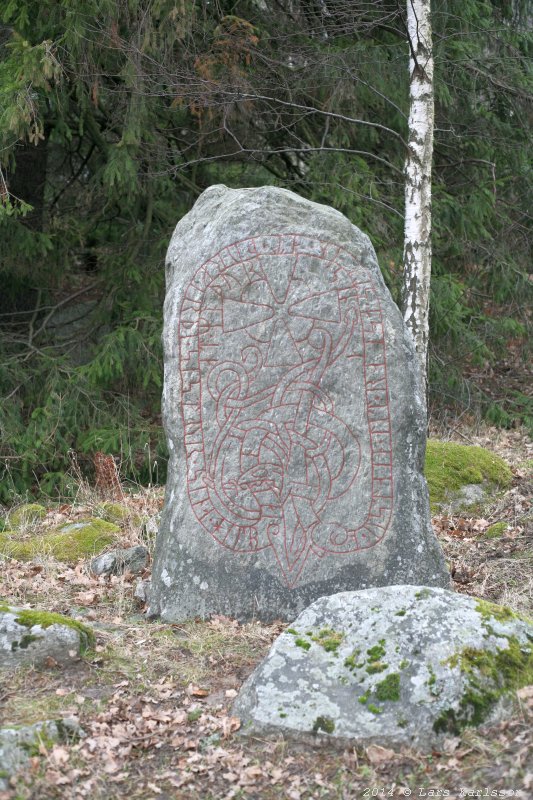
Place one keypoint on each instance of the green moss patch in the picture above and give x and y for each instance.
(496, 531)
(376, 667)
(325, 724)
(27, 514)
(377, 652)
(30, 617)
(118, 514)
(490, 675)
(328, 639)
(389, 688)
(353, 662)
(68, 543)
(450, 466)
(432, 682)
(489, 611)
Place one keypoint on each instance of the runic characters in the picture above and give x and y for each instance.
(264, 327)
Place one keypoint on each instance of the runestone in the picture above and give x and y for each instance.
(280, 416)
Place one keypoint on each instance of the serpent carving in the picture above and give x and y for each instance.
(266, 326)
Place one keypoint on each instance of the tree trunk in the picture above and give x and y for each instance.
(417, 239)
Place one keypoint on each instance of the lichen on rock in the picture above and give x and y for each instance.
(449, 662)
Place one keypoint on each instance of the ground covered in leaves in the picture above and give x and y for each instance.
(155, 700)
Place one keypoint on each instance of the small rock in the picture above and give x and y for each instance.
(141, 590)
(467, 496)
(29, 636)
(397, 665)
(116, 562)
(104, 564)
(18, 744)
(151, 526)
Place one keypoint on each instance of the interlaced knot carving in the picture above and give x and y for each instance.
(280, 337)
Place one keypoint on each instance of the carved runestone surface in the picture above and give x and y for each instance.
(293, 412)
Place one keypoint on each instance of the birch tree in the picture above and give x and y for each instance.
(417, 238)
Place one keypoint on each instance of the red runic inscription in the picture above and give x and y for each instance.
(277, 334)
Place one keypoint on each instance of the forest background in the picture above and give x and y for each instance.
(116, 115)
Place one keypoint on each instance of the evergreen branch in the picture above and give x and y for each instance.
(95, 133)
(303, 150)
(246, 97)
(65, 301)
(528, 96)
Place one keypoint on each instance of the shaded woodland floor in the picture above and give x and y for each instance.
(155, 700)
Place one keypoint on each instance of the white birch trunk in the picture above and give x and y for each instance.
(417, 238)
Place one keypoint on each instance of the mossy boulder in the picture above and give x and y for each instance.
(452, 468)
(31, 636)
(411, 666)
(68, 542)
(26, 515)
(19, 743)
